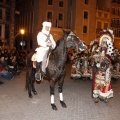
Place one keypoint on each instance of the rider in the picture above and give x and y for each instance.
(45, 43)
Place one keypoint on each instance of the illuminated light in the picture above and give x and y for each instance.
(22, 31)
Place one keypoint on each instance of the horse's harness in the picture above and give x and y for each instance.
(48, 40)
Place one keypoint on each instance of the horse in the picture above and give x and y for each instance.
(55, 71)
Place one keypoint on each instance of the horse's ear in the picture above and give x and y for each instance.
(63, 31)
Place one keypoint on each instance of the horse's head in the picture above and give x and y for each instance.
(73, 41)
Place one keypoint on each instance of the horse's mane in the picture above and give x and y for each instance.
(61, 39)
(60, 44)
(58, 55)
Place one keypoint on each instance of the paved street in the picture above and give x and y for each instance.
(15, 104)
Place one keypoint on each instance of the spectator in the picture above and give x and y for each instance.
(4, 72)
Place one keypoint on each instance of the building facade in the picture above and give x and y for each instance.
(84, 17)
(5, 20)
(33, 12)
(85, 20)
(115, 21)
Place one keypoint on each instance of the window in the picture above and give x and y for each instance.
(105, 15)
(119, 34)
(113, 11)
(49, 15)
(1, 1)
(32, 2)
(60, 17)
(85, 1)
(113, 20)
(105, 25)
(8, 2)
(99, 25)
(119, 12)
(113, 1)
(50, 2)
(0, 13)
(99, 14)
(71, 2)
(7, 14)
(7, 31)
(85, 15)
(0, 30)
(60, 3)
(84, 29)
(117, 21)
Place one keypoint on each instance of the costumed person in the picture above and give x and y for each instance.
(102, 87)
(46, 43)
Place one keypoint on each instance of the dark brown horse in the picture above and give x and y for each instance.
(55, 71)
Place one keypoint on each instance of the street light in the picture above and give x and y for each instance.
(22, 43)
(22, 31)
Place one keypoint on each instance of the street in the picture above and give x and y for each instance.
(16, 105)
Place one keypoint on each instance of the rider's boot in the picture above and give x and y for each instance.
(38, 71)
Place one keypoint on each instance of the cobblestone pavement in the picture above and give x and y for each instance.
(15, 104)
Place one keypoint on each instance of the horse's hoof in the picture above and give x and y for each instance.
(30, 96)
(63, 104)
(35, 93)
(54, 107)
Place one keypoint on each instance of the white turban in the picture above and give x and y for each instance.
(49, 24)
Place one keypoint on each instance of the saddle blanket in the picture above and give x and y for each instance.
(44, 62)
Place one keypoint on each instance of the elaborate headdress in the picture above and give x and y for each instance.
(106, 35)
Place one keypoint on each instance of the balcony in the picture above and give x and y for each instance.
(115, 25)
(98, 30)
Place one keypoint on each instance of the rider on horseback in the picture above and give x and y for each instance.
(45, 44)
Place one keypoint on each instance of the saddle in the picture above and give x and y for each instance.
(44, 63)
(33, 59)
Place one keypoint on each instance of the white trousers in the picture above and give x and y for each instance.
(41, 54)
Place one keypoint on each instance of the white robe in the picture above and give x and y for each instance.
(43, 49)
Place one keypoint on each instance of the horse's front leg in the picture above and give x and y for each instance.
(52, 88)
(60, 90)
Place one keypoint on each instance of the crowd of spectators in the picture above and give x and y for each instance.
(11, 63)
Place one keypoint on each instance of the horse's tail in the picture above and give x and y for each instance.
(27, 81)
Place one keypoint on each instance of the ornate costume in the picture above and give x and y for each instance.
(102, 87)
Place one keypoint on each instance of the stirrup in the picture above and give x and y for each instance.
(38, 76)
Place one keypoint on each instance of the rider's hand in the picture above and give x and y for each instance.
(49, 44)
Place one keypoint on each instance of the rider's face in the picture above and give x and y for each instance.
(47, 28)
